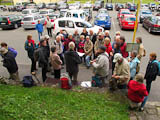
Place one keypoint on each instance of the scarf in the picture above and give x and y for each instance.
(31, 41)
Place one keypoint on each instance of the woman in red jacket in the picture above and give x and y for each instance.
(108, 46)
(136, 91)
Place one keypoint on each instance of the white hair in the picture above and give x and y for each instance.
(106, 31)
(58, 36)
(71, 45)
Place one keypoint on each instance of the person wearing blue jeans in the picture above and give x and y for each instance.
(39, 28)
(88, 47)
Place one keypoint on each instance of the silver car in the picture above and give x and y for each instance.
(29, 22)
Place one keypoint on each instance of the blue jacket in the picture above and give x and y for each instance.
(133, 66)
(13, 51)
(39, 28)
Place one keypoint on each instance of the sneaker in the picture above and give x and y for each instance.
(141, 109)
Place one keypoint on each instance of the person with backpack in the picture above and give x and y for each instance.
(43, 58)
(152, 71)
(30, 47)
(101, 64)
(72, 62)
(133, 63)
(39, 28)
(3, 44)
(10, 63)
(55, 62)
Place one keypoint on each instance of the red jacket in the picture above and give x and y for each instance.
(81, 46)
(136, 91)
(108, 48)
(123, 50)
(66, 43)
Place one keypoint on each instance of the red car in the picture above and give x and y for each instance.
(123, 12)
(127, 22)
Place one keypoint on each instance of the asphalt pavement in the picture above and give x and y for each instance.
(17, 37)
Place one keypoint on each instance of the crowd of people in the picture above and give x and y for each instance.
(93, 50)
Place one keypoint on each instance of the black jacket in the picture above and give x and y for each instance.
(85, 34)
(9, 62)
(93, 38)
(72, 60)
(151, 71)
(43, 57)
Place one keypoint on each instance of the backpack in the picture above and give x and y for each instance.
(65, 82)
(158, 63)
(28, 81)
(96, 82)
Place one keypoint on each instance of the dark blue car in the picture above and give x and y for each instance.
(109, 6)
(103, 20)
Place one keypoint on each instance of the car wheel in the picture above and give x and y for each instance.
(15, 26)
(149, 30)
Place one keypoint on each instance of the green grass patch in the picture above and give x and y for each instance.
(39, 103)
(6, 3)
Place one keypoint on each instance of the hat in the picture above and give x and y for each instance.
(46, 36)
(102, 48)
(117, 57)
(41, 40)
(3, 50)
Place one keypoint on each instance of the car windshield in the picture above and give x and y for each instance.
(28, 19)
(43, 12)
(103, 11)
(146, 12)
(125, 12)
(25, 12)
(129, 19)
(101, 18)
(88, 24)
(3, 19)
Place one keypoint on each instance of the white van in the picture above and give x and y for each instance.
(72, 24)
(27, 12)
(46, 12)
(80, 14)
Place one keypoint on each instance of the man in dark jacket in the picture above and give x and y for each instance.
(43, 58)
(151, 71)
(72, 61)
(10, 63)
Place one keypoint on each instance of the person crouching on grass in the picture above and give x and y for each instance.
(55, 62)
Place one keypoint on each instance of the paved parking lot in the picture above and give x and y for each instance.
(17, 37)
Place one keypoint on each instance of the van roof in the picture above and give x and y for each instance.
(73, 19)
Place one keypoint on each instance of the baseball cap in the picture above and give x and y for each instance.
(117, 57)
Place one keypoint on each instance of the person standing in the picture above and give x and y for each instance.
(59, 47)
(76, 38)
(30, 47)
(39, 28)
(10, 63)
(88, 48)
(108, 46)
(84, 32)
(55, 62)
(48, 25)
(43, 58)
(106, 35)
(151, 71)
(101, 64)
(67, 41)
(72, 60)
(123, 47)
(93, 36)
(3, 44)
(133, 63)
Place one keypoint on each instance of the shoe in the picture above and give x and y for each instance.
(141, 109)
(33, 73)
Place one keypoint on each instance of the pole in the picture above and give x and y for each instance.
(136, 24)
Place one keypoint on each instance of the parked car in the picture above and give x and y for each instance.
(27, 12)
(76, 14)
(52, 6)
(62, 12)
(11, 8)
(72, 24)
(73, 6)
(87, 5)
(158, 7)
(109, 6)
(123, 12)
(29, 22)
(46, 12)
(97, 5)
(88, 13)
(41, 5)
(144, 14)
(144, 6)
(131, 6)
(103, 20)
(102, 11)
(10, 22)
(158, 14)
(152, 6)
(152, 24)
(53, 17)
(119, 6)
(127, 22)
(63, 6)
(31, 6)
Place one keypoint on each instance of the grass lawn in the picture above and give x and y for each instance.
(41, 103)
